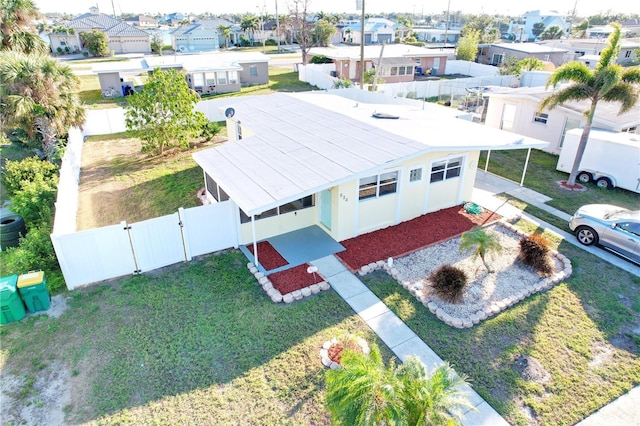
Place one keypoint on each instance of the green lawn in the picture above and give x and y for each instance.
(542, 176)
(580, 331)
(198, 343)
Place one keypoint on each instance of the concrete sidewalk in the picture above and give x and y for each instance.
(395, 333)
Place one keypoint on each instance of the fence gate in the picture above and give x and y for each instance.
(157, 242)
(94, 255)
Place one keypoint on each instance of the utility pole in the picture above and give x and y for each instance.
(277, 27)
(362, 47)
(446, 24)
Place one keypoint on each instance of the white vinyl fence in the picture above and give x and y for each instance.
(113, 251)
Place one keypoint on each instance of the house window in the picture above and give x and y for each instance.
(378, 185)
(627, 54)
(446, 169)
(546, 58)
(497, 59)
(415, 175)
(299, 204)
(198, 80)
(222, 77)
(401, 70)
(233, 77)
(394, 70)
(541, 118)
(211, 78)
(253, 71)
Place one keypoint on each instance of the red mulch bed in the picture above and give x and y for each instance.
(286, 281)
(407, 237)
(268, 256)
(294, 279)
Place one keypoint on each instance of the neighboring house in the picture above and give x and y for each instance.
(122, 37)
(143, 21)
(316, 159)
(199, 36)
(593, 47)
(516, 110)
(400, 62)
(220, 72)
(497, 53)
(437, 35)
(522, 30)
(376, 31)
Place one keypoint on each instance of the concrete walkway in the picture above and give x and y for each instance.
(395, 333)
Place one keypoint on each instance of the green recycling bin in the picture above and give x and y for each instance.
(33, 289)
(10, 302)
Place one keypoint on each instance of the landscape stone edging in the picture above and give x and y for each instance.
(496, 307)
(324, 352)
(276, 296)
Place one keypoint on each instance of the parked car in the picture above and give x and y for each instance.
(615, 228)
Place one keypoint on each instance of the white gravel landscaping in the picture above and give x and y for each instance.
(487, 293)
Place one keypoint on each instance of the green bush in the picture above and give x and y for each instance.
(34, 252)
(535, 252)
(17, 173)
(209, 130)
(448, 283)
(35, 201)
(320, 59)
(270, 42)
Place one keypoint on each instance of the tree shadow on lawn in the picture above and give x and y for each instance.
(557, 327)
(183, 339)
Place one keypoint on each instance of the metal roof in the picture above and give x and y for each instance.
(306, 142)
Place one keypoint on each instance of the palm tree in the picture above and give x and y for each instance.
(554, 32)
(366, 392)
(481, 243)
(435, 399)
(18, 32)
(225, 30)
(39, 95)
(609, 82)
(250, 24)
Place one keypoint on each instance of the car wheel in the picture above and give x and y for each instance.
(604, 183)
(586, 235)
(584, 177)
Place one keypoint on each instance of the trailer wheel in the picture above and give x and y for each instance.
(585, 177)
(604, 183)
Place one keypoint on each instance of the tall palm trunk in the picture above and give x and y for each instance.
(582, 145)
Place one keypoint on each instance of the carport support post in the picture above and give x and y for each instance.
(486, 164)
(255, 243)
(526, 163)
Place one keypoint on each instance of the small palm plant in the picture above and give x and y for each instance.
(482, 243)
(366, 392)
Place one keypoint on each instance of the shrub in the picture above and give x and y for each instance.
(320, 59)
(448, 283)
(35, 201)
(35, 252)
(270, 42)
(17, 173)
(209, 130)
(535, 252)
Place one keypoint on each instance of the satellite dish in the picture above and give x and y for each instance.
(312, 269)
(229, 112)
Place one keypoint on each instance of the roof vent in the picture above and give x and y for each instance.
(385, 115)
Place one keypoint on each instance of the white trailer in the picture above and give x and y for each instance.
(610, 159)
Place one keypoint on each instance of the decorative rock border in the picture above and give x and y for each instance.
(324, 351)
(491, 310)
(278, 297)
